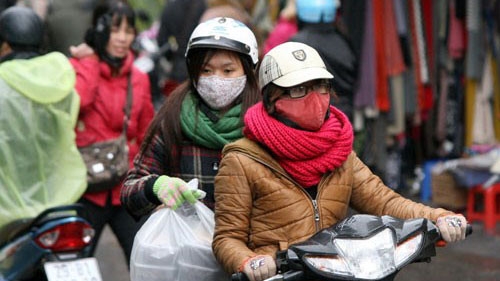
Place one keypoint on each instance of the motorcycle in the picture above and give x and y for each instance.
(360, 247)
(54, 246)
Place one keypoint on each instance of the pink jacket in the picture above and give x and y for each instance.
(102, 99)
(283, 31)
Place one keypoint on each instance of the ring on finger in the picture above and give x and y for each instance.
(256, 263)
(454, 222)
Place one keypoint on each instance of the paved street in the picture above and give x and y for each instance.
(111, 258)
(475, 259)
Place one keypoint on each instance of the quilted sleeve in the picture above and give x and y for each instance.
(87, 79)
(233, 205)
(371, 195)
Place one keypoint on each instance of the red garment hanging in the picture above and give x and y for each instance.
(382, 90)
(393, 52)
(456, 34)
(427, 99)
(419, 58)
(389, 57)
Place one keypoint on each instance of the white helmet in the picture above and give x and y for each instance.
(224, 33)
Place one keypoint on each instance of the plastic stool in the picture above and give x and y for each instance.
(484, 205)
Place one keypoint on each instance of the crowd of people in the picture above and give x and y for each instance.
(268, 134)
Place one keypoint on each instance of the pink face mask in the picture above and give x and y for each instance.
(307, 112)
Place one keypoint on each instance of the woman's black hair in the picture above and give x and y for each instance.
(166, 122)
(106, 15)
(117, 9)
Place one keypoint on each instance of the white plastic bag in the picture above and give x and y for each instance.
(176, 245)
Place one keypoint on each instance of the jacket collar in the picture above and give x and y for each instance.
(253, 150)
(124, 70)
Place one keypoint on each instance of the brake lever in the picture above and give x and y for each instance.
(277, 277)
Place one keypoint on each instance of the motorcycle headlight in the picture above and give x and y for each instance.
(406, 249)
(371, 258)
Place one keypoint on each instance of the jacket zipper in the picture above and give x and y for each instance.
(316, 214)
(314, 201)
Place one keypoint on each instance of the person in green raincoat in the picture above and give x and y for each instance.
(40, 166)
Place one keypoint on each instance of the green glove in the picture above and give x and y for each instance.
(173, 192)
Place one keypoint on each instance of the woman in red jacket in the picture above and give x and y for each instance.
(103, 64)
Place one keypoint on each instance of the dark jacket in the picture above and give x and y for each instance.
(339, 57)
(178, 20)
(195, 162)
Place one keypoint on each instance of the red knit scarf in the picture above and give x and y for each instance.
(306, 156)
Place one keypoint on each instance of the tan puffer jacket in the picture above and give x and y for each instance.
(260, 209)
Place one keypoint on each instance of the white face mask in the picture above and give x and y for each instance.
(220, 92)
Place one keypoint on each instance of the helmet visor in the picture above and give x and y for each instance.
(218, 43)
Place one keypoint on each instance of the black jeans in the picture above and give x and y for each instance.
(122, 224)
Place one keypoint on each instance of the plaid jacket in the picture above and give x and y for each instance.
(195, 162)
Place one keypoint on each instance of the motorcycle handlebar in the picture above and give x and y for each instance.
(468, 231)
(289, 275)
(239, 276)
(294, 275)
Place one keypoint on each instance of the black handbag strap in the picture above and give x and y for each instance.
(128, 106)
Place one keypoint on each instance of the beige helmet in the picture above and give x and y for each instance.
(290, 64)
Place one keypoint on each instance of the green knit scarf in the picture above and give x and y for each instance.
(202, 131)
